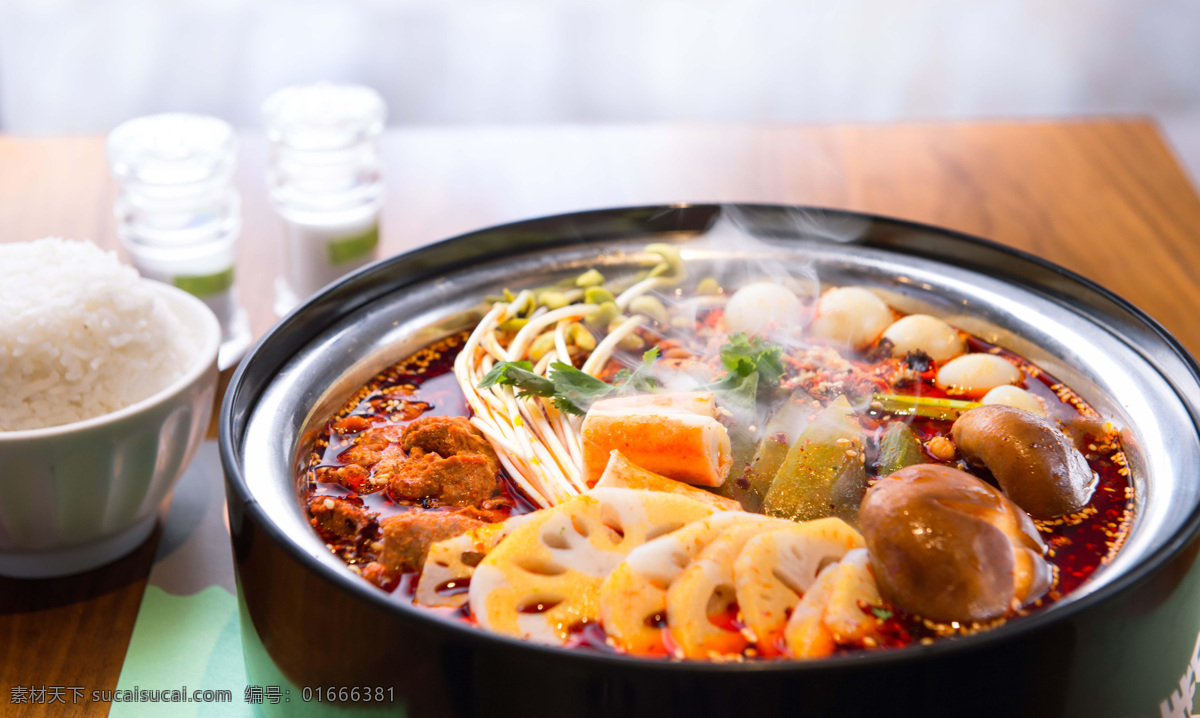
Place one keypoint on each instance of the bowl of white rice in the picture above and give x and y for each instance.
(106, 388)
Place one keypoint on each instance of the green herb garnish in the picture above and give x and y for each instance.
(881, 613)
(520, 375)
(740, 390)
(572, 390)
(640, 381)
(755, 366)
(743, 355)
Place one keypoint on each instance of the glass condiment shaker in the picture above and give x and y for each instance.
(325, 181)
(179, 214)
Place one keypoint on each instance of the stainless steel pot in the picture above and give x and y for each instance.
(1117, 646)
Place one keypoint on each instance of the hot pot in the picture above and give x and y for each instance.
(1127, 643)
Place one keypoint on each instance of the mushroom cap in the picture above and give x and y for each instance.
(1035, 464)
(949, 547)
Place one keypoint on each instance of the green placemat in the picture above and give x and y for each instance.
(185, 654)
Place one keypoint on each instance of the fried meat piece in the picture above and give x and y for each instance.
(447, 436)
(461, 480)
(371, 446)
(337, 517)
(407, 537)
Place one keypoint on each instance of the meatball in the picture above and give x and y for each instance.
(462, 480)
(337, 518)
(447, 436)
(949, 547)
(1035, 464)
(407, 537)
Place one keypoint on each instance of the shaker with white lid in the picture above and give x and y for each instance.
(179, 213)
(325, 181)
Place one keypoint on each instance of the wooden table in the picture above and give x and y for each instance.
(1105, 199)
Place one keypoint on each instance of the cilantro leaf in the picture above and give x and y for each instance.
(640, 380)
(519, 374)
(736, 389)
(881, 613)
(744, 355)
(496, 375)
(574, 390)
(755, 366)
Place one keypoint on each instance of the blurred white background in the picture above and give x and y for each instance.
(86, 65)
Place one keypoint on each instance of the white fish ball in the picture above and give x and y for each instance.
(1016, 397)
(851, 315)
(977, 374)
(761, 307)
(921, 332)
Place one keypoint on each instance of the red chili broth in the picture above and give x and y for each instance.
(1075, 550)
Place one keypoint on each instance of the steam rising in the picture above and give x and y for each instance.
(779, 306)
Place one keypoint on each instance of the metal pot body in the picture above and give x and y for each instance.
(1125, 644)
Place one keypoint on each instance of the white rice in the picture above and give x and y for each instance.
(81, 335)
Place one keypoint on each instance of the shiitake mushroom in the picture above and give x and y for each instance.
(1035, 464)
(949, 547)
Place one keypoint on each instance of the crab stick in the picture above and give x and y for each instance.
(692, 402)
(676, 443)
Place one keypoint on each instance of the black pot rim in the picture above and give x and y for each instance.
(1011, 631)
